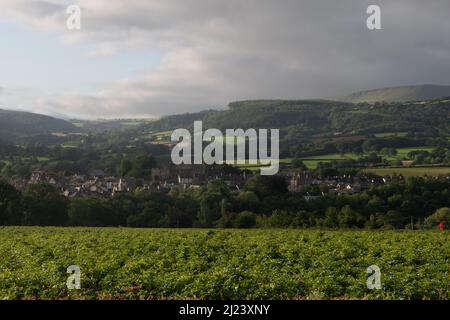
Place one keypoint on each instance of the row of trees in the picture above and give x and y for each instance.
(73, 160)
(264, 202)
(436, 156)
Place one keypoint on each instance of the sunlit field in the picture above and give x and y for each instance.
(120, 263)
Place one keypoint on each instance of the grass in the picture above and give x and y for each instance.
(313, 161)
(119, 263)
(161, 136)
(71, 144)
(403, 152)
(411, 171)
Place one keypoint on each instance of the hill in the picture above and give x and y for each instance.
(320, 117)
(398, 94)
(19, 124)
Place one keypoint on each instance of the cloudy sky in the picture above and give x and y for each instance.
(138, 58)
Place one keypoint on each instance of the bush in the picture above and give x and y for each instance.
(441, 215)
(245, 219)
(91, 212)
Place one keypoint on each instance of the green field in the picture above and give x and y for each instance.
(222, 264)
(71, 144)
(411, 171)
(403, 152)
(312, 162)
(161, 136)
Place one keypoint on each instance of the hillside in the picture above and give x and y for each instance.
(17, 124)
(398, 94)
(301, 118)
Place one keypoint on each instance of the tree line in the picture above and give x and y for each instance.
(264, 202)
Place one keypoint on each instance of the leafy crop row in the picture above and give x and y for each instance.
(222, 264)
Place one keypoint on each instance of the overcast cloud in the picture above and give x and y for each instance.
(213, 52)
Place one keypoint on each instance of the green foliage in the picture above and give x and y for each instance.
(10, 205)
(347, 217)
(44, 206)
(221, 264)
(299, 164)
(387, 206)
(264, 186)
(142, 167)
(441, 215)
(90, 212)
(245, 219)
(125, 167)
(317, 127)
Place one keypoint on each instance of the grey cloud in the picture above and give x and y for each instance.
(219, 51)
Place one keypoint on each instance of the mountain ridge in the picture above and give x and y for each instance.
(397, 94)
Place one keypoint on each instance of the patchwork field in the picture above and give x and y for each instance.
(120, 263)
(403, 152)
(313, 161)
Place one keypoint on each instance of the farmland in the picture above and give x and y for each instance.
(312, 162)
(411, 171)
(118, 263)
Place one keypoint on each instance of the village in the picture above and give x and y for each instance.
(183, 177)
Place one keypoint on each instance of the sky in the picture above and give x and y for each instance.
(150, 58)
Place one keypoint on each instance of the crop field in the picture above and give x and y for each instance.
(119, 263)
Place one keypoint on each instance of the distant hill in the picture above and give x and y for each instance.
(185, 120)
(398, 94)
(18, 124)
(408, 108)
(306, 118)
(103, 125)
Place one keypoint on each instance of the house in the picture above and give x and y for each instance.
(301, 179)
(347, 188)
(185, 179)
(160, 174)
